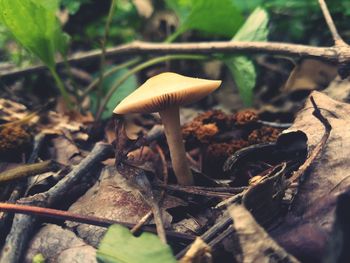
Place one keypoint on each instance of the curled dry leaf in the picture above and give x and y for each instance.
(308, 225)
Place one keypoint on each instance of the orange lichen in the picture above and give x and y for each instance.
(206, 132)
(245, 117)
(14, 140)
(264, 134)
(205, 126)
(221, 119)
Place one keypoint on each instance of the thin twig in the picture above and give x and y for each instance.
(38, 142)
(223, 192)
(338, 41)
(148, 216)
(228, 47)
(219, 227)
(141, 222)
(84, 219)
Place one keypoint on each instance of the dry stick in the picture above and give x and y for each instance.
(84, 219)
(338, 41)
(38, 142)
(148, 216)
(22, 226)
(231, 47)
(223, 192)
(157, 212)
(219, 227)
(19, 188)
(141, 222)
(319, 147)
(26, 170)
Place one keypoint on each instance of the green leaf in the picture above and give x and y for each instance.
(210, 16)
(123, 91)
(35, 26)
(120, 246)
(255, 27)
(243, 72)
(242, 68)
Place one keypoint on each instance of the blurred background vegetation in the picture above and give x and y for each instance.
(294, 21)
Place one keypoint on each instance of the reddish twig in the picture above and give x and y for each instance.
(84, 219)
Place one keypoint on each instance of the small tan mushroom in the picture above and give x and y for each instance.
(164, 93)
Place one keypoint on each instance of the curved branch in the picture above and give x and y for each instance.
(228, 47)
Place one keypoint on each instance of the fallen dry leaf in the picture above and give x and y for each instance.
(12, 111)
(109, 198)
(55, 123)
(60, 246)
(65, 151)
(308, 225)
(339, 89)
(255, 244)
(310, 74)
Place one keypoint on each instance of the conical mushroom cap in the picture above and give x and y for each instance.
(164, 91)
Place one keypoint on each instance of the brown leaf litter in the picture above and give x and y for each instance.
(307, 228)
(111, 198)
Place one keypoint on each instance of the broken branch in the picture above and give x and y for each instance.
(338, 41)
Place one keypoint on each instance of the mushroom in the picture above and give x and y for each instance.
(164, 93)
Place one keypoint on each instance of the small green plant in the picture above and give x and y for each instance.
(120, 246)
(38, 258)
(34, 24)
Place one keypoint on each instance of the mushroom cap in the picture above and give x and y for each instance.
(165, 90)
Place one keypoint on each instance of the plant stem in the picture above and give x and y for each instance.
(61, 87)
(111, 71)
(70, 76)
(138, 68)
(174, 36)
(103, 47)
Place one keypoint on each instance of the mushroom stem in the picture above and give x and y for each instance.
(171, 121)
